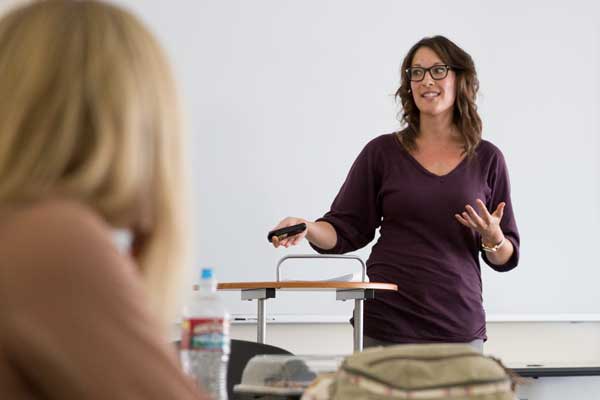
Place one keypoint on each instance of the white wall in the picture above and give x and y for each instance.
(282, 95)
(514, 343)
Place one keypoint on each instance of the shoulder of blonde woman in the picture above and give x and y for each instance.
(76, 321)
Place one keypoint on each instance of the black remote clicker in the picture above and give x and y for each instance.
(286, 232)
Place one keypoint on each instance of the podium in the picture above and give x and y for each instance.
(357, 291)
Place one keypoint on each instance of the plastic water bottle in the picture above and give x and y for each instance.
(205, 338)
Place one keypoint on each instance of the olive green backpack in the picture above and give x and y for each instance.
(424, 372)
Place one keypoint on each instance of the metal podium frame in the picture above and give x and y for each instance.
(358, 295)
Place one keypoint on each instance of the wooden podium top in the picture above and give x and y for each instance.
(306, 285)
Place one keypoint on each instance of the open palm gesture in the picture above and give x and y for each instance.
(488, 225)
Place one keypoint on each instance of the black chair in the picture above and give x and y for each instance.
(241, 352)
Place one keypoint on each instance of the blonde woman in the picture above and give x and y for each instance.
(89, 142)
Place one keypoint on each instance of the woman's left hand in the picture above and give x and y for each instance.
(488, 225)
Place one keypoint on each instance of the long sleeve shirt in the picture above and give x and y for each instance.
(422, 248)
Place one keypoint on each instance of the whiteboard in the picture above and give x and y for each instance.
(280, 97)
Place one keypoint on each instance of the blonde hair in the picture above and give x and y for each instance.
(89, 111)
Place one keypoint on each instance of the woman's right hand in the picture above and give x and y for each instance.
(292, 240)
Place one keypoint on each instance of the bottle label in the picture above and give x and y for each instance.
(205, 334)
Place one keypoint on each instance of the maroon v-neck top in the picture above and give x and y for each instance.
(422, 248)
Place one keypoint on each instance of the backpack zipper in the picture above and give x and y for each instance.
(424, 358)
(413, 358)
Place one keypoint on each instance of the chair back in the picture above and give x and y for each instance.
(241, 352)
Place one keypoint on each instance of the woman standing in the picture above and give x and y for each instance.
(440, 196)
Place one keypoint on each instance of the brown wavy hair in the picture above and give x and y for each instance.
(465, 115)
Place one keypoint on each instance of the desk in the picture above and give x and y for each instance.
(547, 370)
(357, 291)
(556, 369)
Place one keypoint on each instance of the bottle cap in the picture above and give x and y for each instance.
(207, 273)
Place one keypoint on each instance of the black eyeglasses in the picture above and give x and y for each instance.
(437, 72)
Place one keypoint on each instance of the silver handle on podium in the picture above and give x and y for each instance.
(321, 256)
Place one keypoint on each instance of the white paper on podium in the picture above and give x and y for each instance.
(354, 277)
